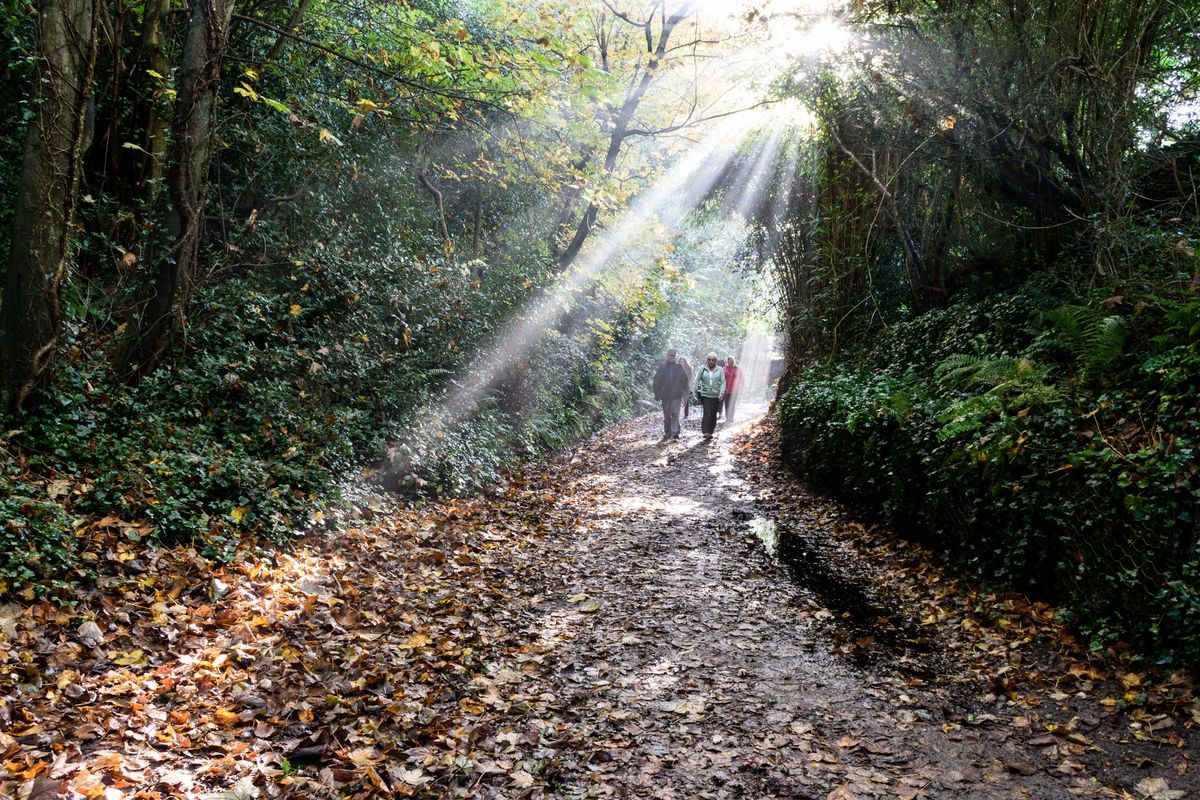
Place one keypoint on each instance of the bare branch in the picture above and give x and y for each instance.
(689, 123)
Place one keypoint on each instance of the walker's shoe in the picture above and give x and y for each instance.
(675, 438)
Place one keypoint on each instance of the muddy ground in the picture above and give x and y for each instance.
(755, 641)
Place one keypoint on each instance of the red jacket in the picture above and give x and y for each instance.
(733, 377)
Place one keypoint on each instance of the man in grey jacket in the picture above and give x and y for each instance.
(670, 386)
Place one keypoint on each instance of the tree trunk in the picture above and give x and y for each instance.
(161, 314)
(281, 39)
(656, 54)
(478, 222)
(31, 317)
(439, 209)
(156, 57)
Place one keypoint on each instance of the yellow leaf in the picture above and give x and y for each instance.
(366, 106)
(245, 90)
(225, 718)
(415, 641)
(132, 658)
(295, 310)
(326, 136)
(238, 513)
(589, 607)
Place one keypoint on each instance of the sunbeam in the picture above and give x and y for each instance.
(710, 158)
(681, 188)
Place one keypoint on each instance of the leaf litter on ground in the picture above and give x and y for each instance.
(469, 648)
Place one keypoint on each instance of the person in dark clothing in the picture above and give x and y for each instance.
(670, 387)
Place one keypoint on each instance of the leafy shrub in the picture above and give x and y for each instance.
(1048, 446)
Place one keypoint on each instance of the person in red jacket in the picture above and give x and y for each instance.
(733, 387)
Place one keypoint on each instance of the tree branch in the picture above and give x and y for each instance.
(692, 122)
(367, 66)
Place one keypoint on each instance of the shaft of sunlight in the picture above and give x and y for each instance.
(757, 353)
(684, 186)
(751, 188)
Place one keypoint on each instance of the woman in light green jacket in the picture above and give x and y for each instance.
(710, 385)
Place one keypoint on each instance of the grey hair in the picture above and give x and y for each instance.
(710, 355)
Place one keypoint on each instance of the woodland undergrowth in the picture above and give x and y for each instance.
(1044, 437)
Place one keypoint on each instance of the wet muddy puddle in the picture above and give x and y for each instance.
(875, 631)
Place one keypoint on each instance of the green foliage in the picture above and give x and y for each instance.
(1055, 451)
(1093, 339)
(35, 533)
(17, 38)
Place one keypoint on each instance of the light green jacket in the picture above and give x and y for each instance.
(710, 383)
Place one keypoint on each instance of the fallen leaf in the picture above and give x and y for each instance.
(1158, 789)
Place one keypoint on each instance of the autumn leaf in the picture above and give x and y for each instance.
(416, 641)
(1158, 789)
(130, 658)
(413, 777)
(225, 718)
(90, 634)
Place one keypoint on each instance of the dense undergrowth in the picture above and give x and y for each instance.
(293, 388)
(381, 204)
(1045, 437)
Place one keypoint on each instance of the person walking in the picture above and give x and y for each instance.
(687, 397)
(733, 386)
(710, 385)
(670, 387)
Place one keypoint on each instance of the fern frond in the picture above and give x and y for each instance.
(1094, 339)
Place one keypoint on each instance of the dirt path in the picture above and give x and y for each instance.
(609, 625)
(705, 670)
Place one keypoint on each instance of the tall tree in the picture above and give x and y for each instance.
(31, 316)
(621, 115)
(161, 313)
